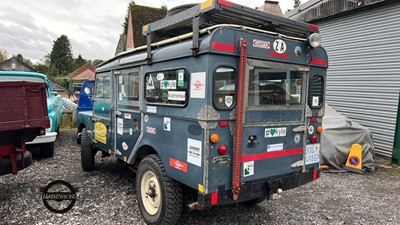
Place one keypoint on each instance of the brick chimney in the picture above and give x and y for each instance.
(271, 7)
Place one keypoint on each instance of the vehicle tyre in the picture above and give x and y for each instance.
(160, 198)
(87, 152)
(6, 165)
(47, 150)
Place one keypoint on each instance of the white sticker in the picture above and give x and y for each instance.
(167, 124)
(151, 130)
(177, 95)
(194, 152)
(261, 44)
(160, 76)
(312, 153)
(197, 86)
(168, 84)
(279, 46)
(228, 101)
(275, 147)
(311, 129)
(275, 132)
(120, 126)
(150, 83)
(124, 146)
(248, 168)
(130, 131)
(151, 109)
(146, 118)
(315, 101)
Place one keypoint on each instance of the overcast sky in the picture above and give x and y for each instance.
(92, 26)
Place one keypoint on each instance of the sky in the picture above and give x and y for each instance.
(30, 27)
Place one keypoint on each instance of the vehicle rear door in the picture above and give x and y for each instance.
(274, 119)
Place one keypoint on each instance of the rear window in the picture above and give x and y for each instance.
(168, 87)
(224, 88)
(274, 87)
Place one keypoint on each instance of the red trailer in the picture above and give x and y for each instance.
(23, 116)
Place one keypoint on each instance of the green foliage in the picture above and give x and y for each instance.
(79, 62)
(297, 3)
(96, 62)
(20, 57)
(41, 68)
(3, 55)
(61, 60)
(62, 81)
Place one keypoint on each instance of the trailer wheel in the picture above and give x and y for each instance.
(47, 150)
(160, 198)
(87, 152)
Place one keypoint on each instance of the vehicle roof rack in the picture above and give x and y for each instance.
(214, 12)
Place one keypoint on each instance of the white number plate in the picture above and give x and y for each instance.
(312, 153)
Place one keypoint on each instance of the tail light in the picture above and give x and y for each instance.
(222, 150)
(314, 139)
(214, 138)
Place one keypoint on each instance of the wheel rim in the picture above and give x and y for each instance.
(150, 192)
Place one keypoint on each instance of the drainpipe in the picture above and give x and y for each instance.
(396, 142)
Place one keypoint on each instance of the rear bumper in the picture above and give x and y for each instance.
(257, 189)
(47, 138)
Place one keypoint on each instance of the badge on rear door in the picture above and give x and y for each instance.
(222, 160)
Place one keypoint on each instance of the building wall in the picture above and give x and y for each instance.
(8, 66)
(364, 69)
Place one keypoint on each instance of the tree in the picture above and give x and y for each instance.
(3, 55)
(79, 62)
(61, 60)
(297, 3)
(20, 57)
(96, 62)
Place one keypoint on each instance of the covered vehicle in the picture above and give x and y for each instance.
(54, 107)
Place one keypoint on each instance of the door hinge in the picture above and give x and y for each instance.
(118, 113)
(300, 129)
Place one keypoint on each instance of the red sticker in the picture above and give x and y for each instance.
(127, 116)
(178, 165)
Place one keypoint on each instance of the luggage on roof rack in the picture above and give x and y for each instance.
(214, 12)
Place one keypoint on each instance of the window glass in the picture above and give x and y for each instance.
(224, 88)
(128, 87)
(277, 87)
(167, 87)
(103, 87)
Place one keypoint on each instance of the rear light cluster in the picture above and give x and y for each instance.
(314, 137)
(214, 139)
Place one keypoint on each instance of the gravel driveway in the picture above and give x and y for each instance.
(106, 196)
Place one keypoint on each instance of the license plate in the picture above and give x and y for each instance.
(312, 153)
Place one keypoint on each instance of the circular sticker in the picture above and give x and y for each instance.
(297, 50)
(311, 129)
(146, 118)
(354, 160)
(297, 138)
(279, 46)
(160, 76)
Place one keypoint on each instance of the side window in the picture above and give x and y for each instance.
(167, 87)
(224, 96)
(103, 87)
(128, 87)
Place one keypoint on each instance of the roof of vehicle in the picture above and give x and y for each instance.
(22, 73)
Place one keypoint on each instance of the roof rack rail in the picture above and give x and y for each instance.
(214, 12)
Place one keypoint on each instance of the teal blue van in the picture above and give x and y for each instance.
(54, 106)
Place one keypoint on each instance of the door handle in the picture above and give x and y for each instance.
(118, 113)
